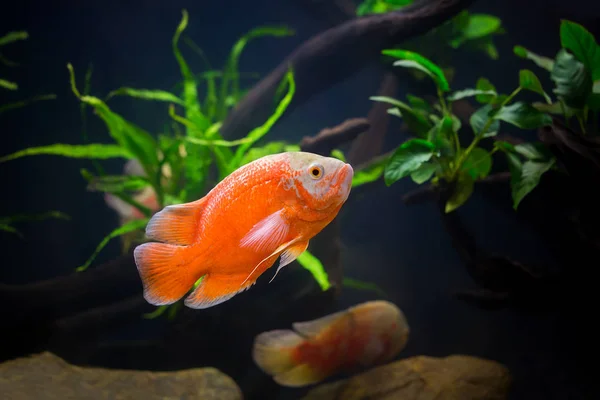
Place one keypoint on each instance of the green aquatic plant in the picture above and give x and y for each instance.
(12, 37)
(7, 223)
(436, 154)
(473, 31)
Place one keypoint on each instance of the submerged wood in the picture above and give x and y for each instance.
(335, 55)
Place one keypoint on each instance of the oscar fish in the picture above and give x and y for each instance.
(265, 210)
(368, 334)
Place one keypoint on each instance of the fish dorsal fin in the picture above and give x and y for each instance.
(289, 255)
(176, 224)
(272, 257)
(317, 326)
(267, 233)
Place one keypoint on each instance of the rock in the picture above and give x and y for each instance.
(46, 376)
(456, 377)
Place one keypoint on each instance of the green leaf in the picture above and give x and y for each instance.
(337, 153)
(360, 285)
(10, 229)
(23, 103)
(484, 85)
(479, 119)
(531, 174)
(257, 152)
(541, 61)
(573, 80)
(461, 94)
(442, 136)
(417, 122)
(414, 60)
(8, 85)
(419, 104)
(133, 139)
(533, 151)
(463, 189)
(478, 163)
(117, 183)
(554, 108)
(145, 94)
(122, 230)
(370, 172)
(408, 157)
(523, 115)
(260, 131)
(315, 267)
(582, 44)
(423, 173)
(94, 151)
(528, 80)
(11, 219)
(13, 36)
(480, 25)
(593, 102)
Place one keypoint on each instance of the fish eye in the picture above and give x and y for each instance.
(315, 171)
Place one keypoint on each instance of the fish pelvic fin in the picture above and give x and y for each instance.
(216, 289)
(166, 272)
(273, 352)
(177, 224)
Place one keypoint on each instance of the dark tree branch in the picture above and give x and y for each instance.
(336, 54)
(330, 138)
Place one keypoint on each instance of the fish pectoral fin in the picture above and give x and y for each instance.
(290, 254)
(270, 259)
(302, 375)
(267, 233)
(216, 289)
(272, 350)
(317, 326)
(176, 224)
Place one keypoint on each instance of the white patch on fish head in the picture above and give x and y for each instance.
(320, 182)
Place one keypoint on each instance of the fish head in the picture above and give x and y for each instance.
(320, 182)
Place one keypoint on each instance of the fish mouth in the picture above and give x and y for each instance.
(345, 175)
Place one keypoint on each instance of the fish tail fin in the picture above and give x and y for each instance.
(274, 352)
(166, 272)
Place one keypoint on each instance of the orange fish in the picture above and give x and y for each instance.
(268, 208)
(368, 334)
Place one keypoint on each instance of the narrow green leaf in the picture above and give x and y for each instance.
(256, 152)
(10, 229)
(414, 60)
(8, 85)
(34, 217)
(123, 229)
(461, 94)
(369, 173)
(145, 94)
(541, 61)
(260, 131)
(23, 103)
(118, 183)
(533, 151)
(408, 157)
(463, 189)
(478, 163)
(523, 115)
(582, 44)
(13, 36)
(528, 80)
(94, 151)
(315, 267)
(360, 285)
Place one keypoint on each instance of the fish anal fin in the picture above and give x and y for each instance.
(176, 224)
(165, 271)
(290, 254)
(318, 326)
(272, 351)
(216, 289)
(302, 375)
(267, 233)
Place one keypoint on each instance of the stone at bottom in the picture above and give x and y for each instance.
(456, 377)
(46, 376)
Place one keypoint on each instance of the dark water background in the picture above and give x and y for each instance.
(405, 250)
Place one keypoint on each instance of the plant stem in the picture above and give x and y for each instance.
(581, 124)
(462, 158)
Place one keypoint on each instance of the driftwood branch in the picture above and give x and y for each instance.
(330, 138)
(336, 54)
